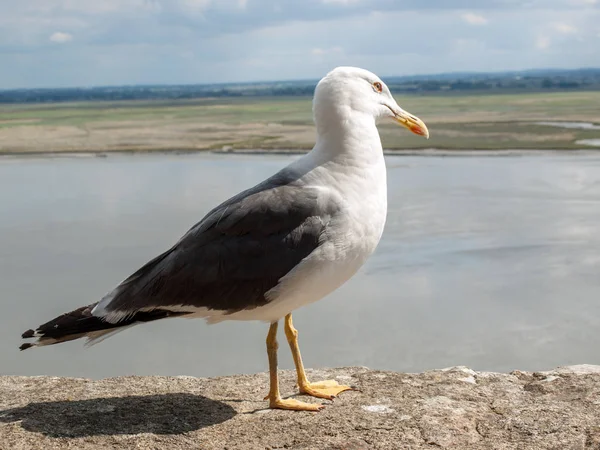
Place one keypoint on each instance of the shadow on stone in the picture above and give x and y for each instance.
(158, 414)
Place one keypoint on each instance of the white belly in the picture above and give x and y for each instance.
(316, 277)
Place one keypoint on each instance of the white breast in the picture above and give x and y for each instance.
(350, 239)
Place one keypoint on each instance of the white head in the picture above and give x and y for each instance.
(348, 92)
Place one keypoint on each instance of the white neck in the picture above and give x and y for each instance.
(353, 141)
(347, 157)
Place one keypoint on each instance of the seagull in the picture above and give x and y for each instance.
(285, 243)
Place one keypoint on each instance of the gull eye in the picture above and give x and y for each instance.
(377, 86)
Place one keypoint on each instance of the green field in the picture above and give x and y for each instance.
(471, 122)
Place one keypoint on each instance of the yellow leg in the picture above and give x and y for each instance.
(328, 389)
(275, 400)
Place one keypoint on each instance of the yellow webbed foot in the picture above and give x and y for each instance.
(328, 389)
(295, 405)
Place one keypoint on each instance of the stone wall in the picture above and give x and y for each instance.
(454, 408)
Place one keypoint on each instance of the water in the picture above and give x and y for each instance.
(571, 125)
(577, 126)
(590, 142)
(489, 262)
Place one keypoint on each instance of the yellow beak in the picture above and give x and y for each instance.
(413, 123)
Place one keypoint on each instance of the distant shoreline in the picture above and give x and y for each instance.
(263, 152)
(452, 83)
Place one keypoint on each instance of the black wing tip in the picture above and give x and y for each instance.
(25, 346)
(28, 334)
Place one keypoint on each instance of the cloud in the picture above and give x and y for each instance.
(474, 19)
(323, 51)
(61, 37)
(340, 2)
(468, 45)
(196, 5)
(565, 28)
(542, 42)
(200, 41)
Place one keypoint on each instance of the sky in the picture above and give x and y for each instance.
(62, 43)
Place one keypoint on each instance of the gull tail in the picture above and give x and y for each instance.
(82, 323)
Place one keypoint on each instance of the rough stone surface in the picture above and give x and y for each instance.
(455, 408)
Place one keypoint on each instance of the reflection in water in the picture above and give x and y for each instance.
(487, 262)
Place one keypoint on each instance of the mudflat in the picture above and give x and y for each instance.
(457, 122)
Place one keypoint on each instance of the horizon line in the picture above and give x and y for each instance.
(306, 80)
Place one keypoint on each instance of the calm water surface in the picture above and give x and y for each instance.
(489, 262)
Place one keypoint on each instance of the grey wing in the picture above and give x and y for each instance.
(234, 256)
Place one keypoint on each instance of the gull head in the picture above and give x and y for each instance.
(349, 92)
